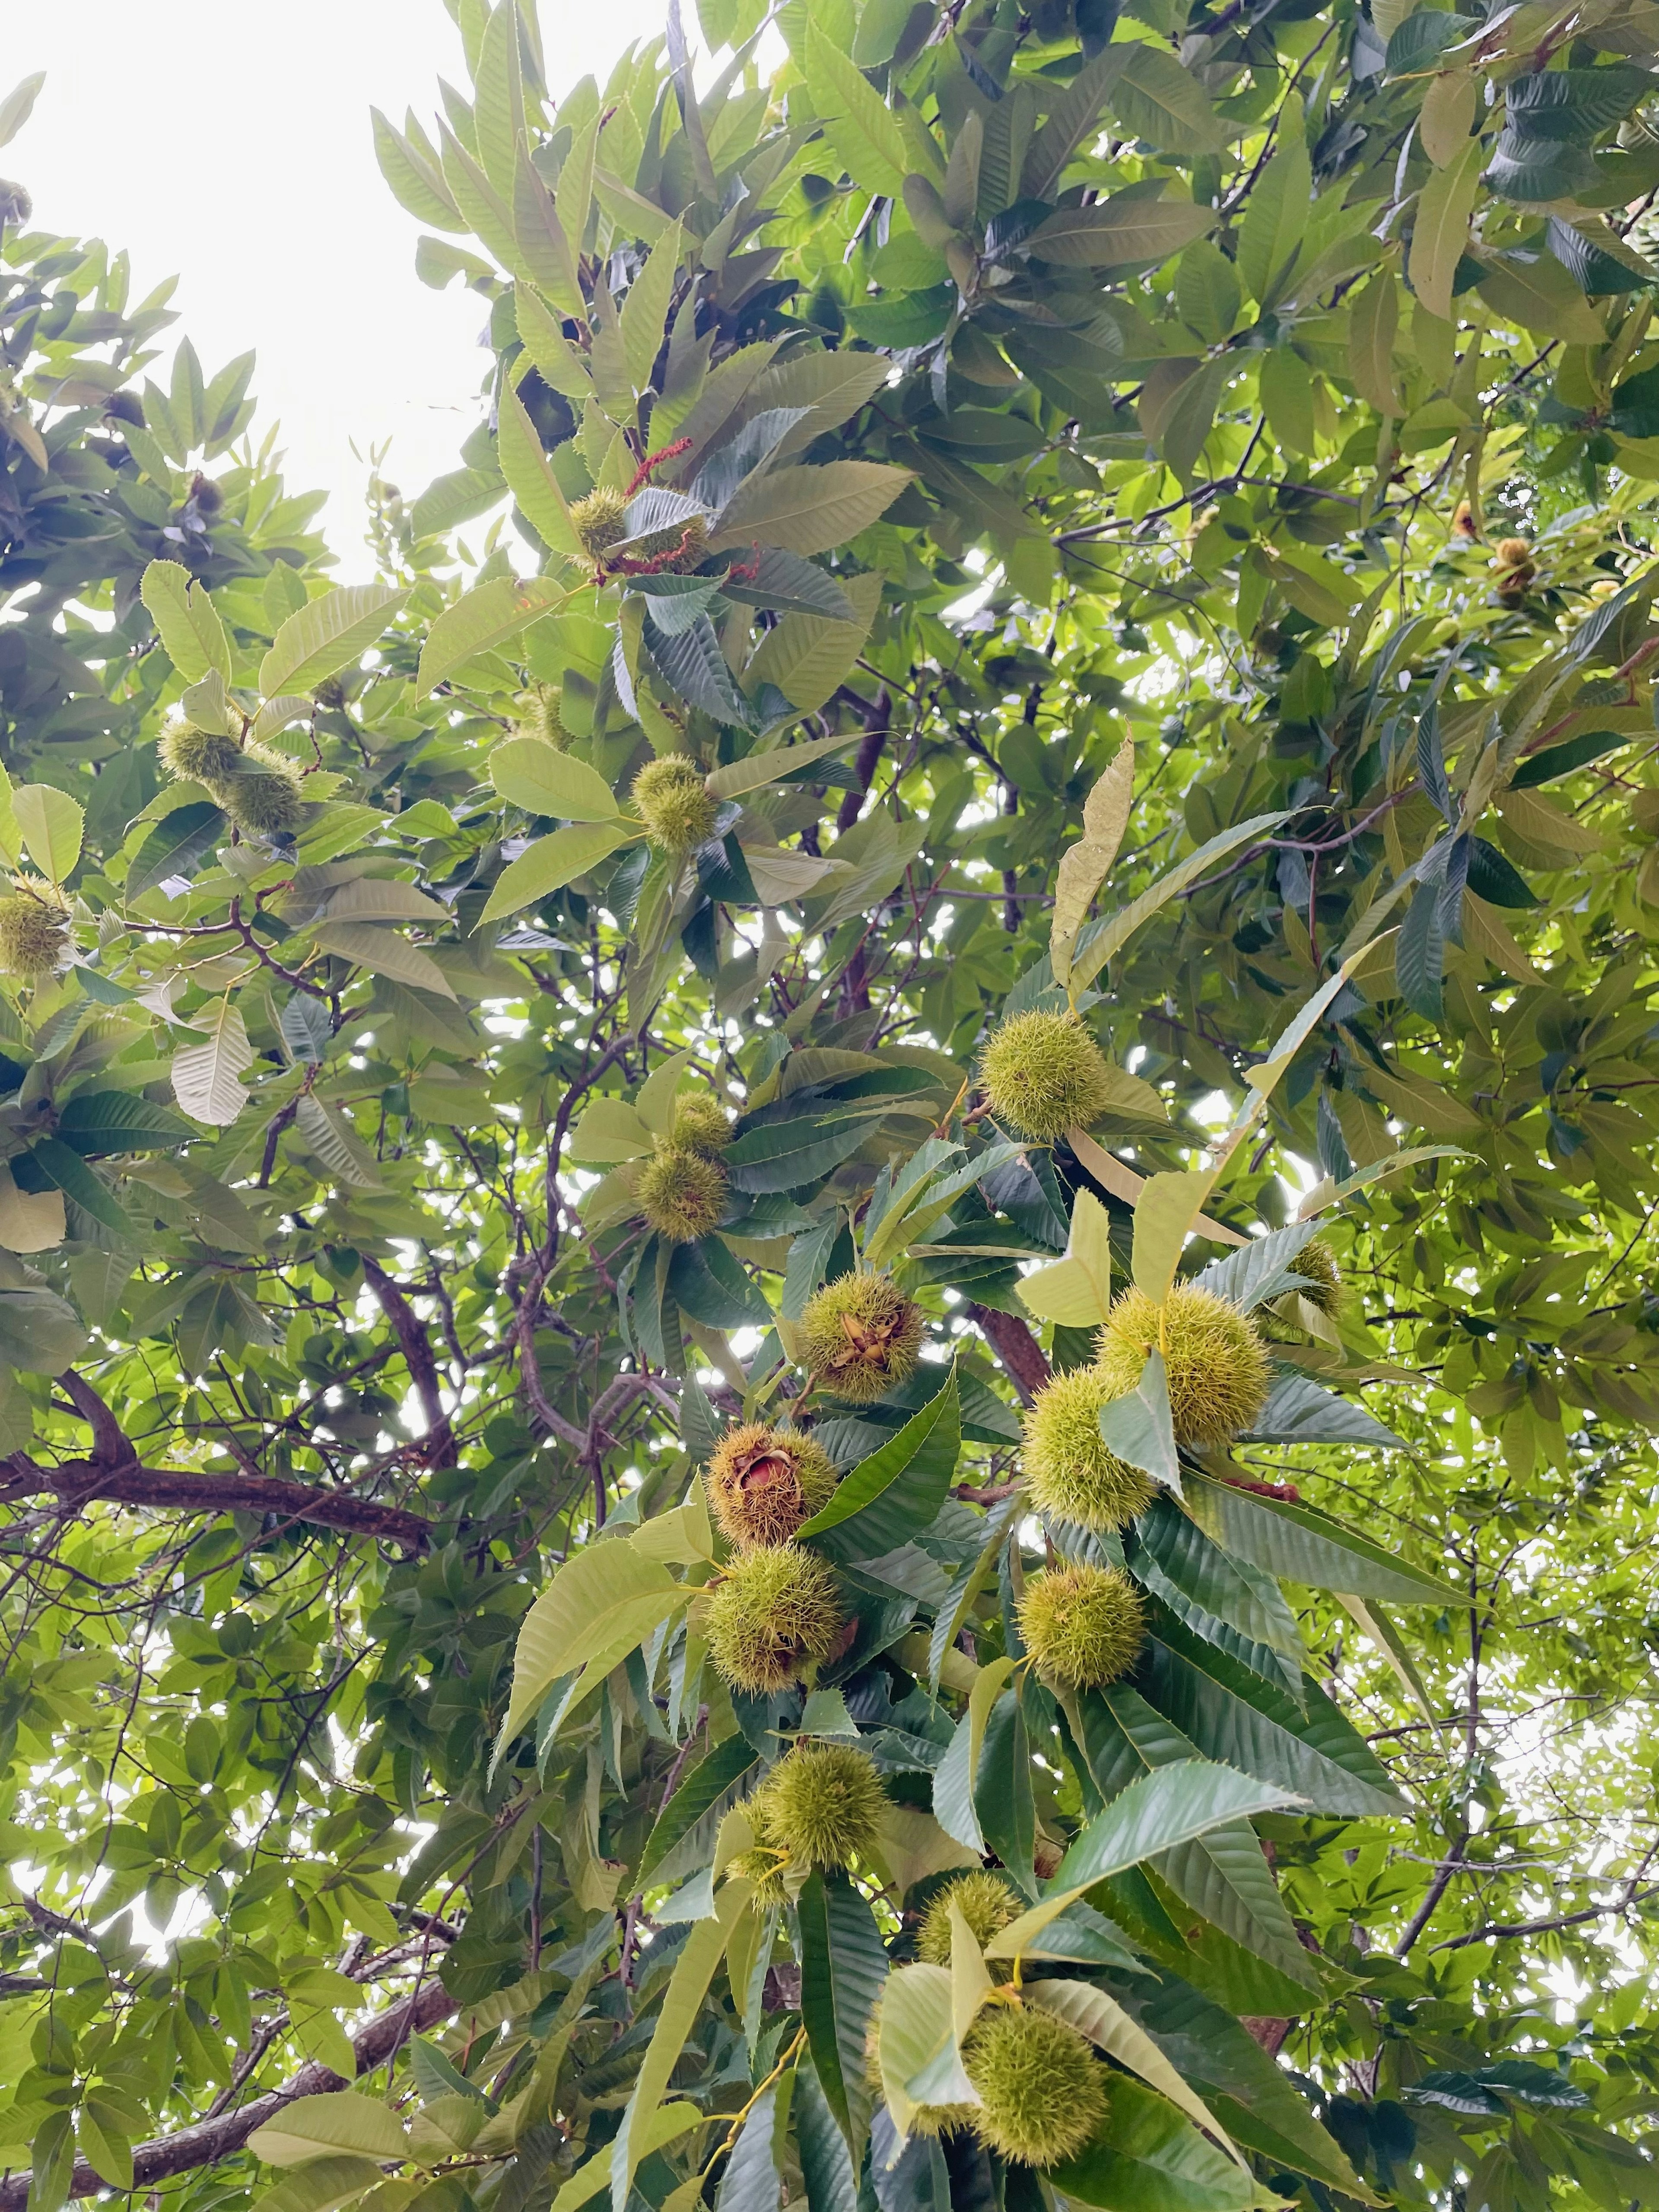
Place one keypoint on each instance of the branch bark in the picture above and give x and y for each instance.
(168, 1490)
(416, 1347)
(1021, 1354)
(209, 2141)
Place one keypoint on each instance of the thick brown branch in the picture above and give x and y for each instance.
(416, 1348)
(110, 1444)
(170, 1490)
(211, 2141)
(1015, 1347)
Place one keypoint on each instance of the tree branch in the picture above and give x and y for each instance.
(79, 1481)
(416, 1348)
(1015, 1347)
(209, 2141)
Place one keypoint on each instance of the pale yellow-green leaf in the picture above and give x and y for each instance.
(383, 951)
(532, 482)
(681, 1537)
(610, 1131)
(916, 2032)
(1087, 963)
(1103, 2020)
(323, 2184)
(1447, 116)
(857, 123)
(552, 862)
(593, 1597)
(30, 1220)
(344, 2120)
(757, 769)
(970, 1983)
(1075, 1292)
(383, 898)
(911, 1845)
(51, 824)
(483, 618)
(207, 1076)
(538, 777)
(1166, 1214)
(559, 364)
(186, 622)
(644, 310)
(327, 634)
(688, 1985)
(1084, 865)
(1440, 234)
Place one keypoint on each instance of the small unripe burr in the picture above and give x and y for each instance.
(1043, 1074)
(776, 1612)
(1215, 1361)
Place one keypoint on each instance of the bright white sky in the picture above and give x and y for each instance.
(228, 142)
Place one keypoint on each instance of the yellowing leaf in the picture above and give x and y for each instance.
(1076, 1291)
(1084, 865)
(1441, 233)
(1166, 1214)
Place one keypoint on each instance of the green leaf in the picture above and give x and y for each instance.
(665, 2125)
(642, 2120)
(1301, 1411)
(1145, 2157)
(1275, 220)
(344, 2120)
(1293, 1538)
(552, 862)
(532, 481)
(186, 622)
(1225, 1601)
(383, 951)
(769, 765)
(644, 310)
(826, 2167)
(1128, 228)
(51, 825)
(710, 1780)
(326, 634)
(844, 1970)
(862, 129)
(541, 779)
(1099, 2017)
(481, 619)
(39, 1331)
(787, 1155)
(1097, 945)
(809, 510)
(1003, 1805)
(751, 2181)
(95, 1122)
(1155, 99)
(1159, 1812)
(1140, 1428)
(603, 1601)
(1234, 1716)
(897, 1491)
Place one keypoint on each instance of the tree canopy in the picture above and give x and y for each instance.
(824, 1274)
